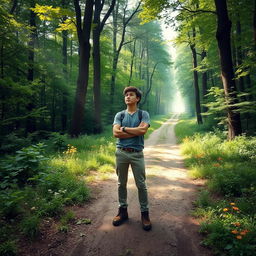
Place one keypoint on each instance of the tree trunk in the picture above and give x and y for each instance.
(117, 50)
(239, 54)
(64, 113)
(227, 72)
(30, 121)
(204, 83)
(132, 61)
(96, 72)
(98, 27)
(254, 23)
(83, 32)
(196, 84)
(149, 87)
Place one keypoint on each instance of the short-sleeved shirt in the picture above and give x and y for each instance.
(131, 120)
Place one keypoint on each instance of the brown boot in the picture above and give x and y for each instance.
(146, 224)
(120, 217)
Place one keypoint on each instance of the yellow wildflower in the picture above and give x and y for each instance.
(232, 204)
(225, 209)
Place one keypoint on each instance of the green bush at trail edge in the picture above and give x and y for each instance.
(229, 166)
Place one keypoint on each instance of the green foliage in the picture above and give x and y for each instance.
(11, 203)
(30, 226)
(13, 142)
(229, 225)
(20, 168)
(58, 141)
(65, 220)
(219, 103)
(8, 248)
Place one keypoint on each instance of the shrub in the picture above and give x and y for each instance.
(24, 165)
(10, 203)
(30, 226)
(8, 248)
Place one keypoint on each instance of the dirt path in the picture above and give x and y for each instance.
(171, 193)
(174, 232)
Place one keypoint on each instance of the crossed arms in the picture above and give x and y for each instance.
(129, 131)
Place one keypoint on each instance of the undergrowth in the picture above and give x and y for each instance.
(38, 181)
(227, 205)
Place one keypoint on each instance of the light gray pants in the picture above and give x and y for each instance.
(136, 160)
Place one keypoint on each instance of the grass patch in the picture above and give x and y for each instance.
(227, 206)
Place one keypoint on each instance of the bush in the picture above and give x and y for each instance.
(30, 226)
(229, 166)
(13, 142)
(24, 165)
(8, 248)
(10, 203)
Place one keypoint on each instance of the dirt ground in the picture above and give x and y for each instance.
(171, 193)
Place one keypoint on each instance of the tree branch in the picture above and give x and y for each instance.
(107, 14)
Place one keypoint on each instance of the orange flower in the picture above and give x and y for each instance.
(243, 233)
(235, 208)
(237, 224)
(232, 204)
(225, 209)
(239, 237)
(216, 165)
(234, 231)
(219, 158)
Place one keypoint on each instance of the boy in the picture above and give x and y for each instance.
(129, 127)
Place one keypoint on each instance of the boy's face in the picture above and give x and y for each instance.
(131, 98)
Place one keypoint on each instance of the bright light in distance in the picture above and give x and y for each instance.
(178, 105)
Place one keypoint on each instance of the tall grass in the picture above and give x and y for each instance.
(229, 167)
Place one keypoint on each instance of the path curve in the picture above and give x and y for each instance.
(171, 193)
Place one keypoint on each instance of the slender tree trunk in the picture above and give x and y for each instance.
(117, 50)
(204, 82)
(227, 72)
(2, 59)
(150, 82)
(64, 113)
(30, 121)
(196, 84)
(96, 72)
(141, 60)
(115, 57)
(132, 61)
(239, 54)
(98, 27)
(254, 23)
(83, 32)
(53, 112)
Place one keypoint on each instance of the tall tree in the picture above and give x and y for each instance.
(227, 72)
(117, 49)
(31, 122)
(97, 29)
(195, 74)
(83, 32)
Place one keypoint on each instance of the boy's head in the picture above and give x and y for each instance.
(133, 89)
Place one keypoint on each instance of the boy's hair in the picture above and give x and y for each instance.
(133, 89)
